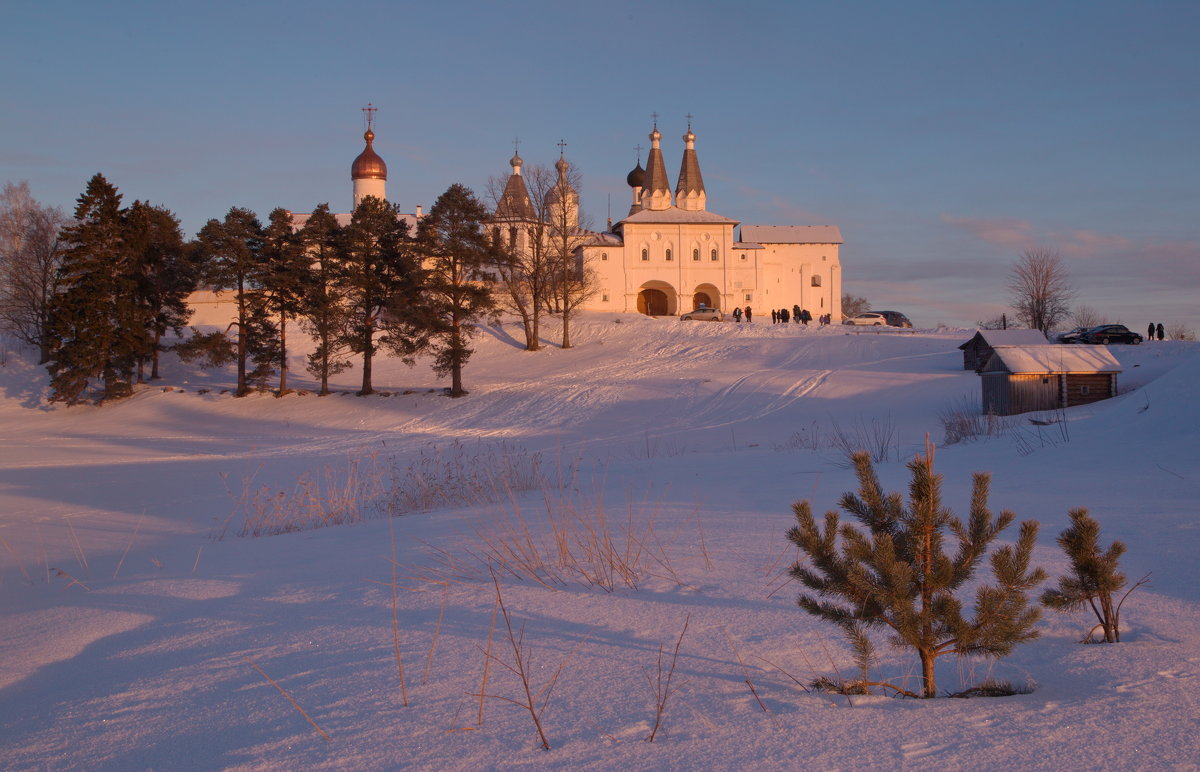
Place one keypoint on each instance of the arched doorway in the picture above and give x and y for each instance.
(706, 295)
(652, 302)
(657, 298)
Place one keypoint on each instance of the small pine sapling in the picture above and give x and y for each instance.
(1094, 578)
(898, 575)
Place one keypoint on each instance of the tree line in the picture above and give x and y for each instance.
(99, 294)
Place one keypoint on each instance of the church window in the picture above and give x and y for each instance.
(822, 302)
(645, 254)
(816, 281)
(496, 235)
(743, 255)
(695, 254)
(604, 297)
(668, 255)
(747, 298)
(824, 258)
(714, 255)
(603, 255)
(512, 237)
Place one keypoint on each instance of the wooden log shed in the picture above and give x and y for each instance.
(978, 349)
(1020, 379)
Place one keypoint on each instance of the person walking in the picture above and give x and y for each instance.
(1150, 332)
(783, 316)
(774, 316)
(749, 314)
(1160, 331)
(737, 314)
(796, 314)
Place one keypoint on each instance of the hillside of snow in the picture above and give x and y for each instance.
(139, 630)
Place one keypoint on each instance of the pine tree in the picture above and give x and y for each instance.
(284, 273)
(323, 311)
(165, 274)
(456, 255)
(232, 253)
(379, 280)
(898, 576)
(1094, 578)
(94, 322)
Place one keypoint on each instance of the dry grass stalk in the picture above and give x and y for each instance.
(534, 702)
(396, 619)
(74, 581)
(16, 559)
(436, 630)
(285, 694)
(661, 687)
(708, 564)
(487, 662)
(196, 564)
(746, 672)
(79, 553)
(137, 528)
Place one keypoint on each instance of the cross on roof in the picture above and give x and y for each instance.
(655, 117)
(561, 144)
(516, 145)
(689, 117)
(369, 111)
(638, 148)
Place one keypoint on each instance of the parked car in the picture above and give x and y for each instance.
(1070, 337)
(703, 314)
(1110, 333)
(880, 319)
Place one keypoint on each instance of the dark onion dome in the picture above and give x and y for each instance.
(368, 165)
(637, 176)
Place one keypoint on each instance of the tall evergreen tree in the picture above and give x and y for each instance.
(898, 576)
(284, 274)
(165, 275)
(232, 253)
(380, 279)
(323, 308)
(456, 256)
(95, 324)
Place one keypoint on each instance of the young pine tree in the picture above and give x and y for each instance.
(165, 273)
(284, 273)
(1094, 576)
(456, 255)
(899, 576)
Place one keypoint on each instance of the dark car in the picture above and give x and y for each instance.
(1110, 333)
(1070, 337)
(895, 319)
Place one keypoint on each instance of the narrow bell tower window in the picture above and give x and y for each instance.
(645, 254)
(714, 255)
(668, 255)
(695, 254)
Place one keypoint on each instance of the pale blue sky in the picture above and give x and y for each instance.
(942, 137)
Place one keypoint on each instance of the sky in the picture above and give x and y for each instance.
(943, 138)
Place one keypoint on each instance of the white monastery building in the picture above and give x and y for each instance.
(670, 254)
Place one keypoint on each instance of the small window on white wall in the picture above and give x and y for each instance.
(604, 297)
(743, 255)
(668, 255)
(645, 254)
(816, 281)
(714, 255)
(747, 298)
(695, 254)
(603, 255)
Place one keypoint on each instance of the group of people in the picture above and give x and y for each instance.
(1154, 330)
(783, 316)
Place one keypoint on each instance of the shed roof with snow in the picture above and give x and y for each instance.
(978, 349)
(1046, 358)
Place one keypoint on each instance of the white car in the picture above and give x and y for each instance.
(868, 319)
(703, 314)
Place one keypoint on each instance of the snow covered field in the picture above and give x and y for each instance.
(131, 638)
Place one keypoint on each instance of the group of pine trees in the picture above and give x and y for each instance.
(358, 291)
(904, 573)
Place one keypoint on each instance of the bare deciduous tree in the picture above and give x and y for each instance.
(1040, 289)
(30, 255)
(1086, 316)
(853, 305)
(521, 228)
(572, 283)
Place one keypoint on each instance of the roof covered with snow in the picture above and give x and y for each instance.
(1047, 358)
(995, 338)
(792, 234)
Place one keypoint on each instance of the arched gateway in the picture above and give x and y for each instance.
(656, 298)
